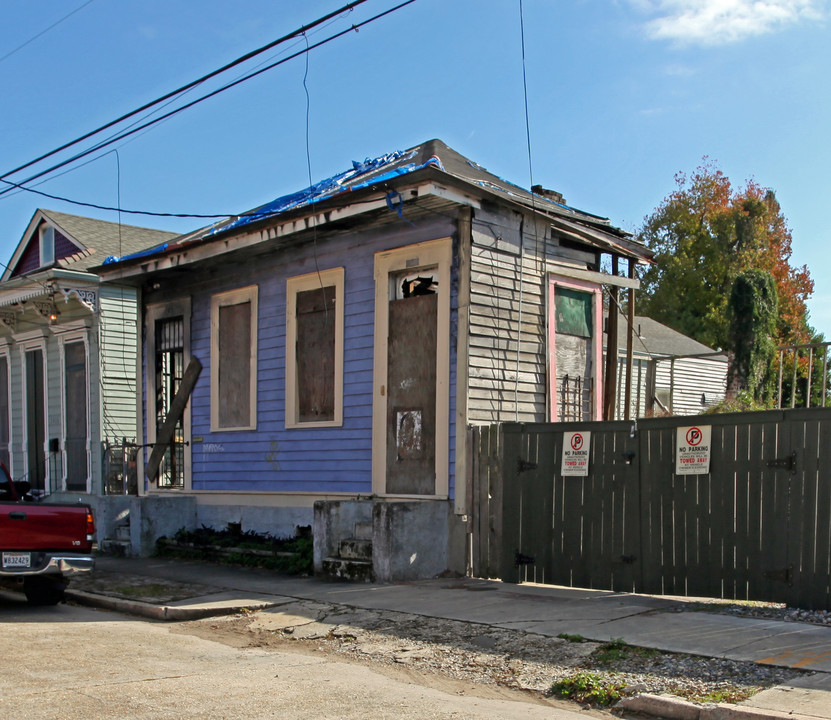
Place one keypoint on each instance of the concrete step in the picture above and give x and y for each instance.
(355, 549)
(116, 547)
(351, 570)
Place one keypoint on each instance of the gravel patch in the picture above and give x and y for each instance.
(482, 654)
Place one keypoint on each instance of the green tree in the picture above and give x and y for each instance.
(754, 310)
(704, 234)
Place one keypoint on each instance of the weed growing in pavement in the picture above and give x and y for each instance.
(589, 688)
(730, 695)
(617, 649)
(572, 638)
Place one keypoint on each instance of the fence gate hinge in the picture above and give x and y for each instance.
(785, 463)
(523, 465)
(783, 576)
(520, 559)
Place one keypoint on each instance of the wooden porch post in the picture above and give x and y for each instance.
(630, 332)
(610, 379)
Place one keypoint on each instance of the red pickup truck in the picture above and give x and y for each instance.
(41, 544)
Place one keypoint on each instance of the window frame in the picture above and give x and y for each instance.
(81, 338)
(333, 277)
(155, 312)
(239, 296)
(28, 342)
(46, 240)
(5, 352)
(554, 281)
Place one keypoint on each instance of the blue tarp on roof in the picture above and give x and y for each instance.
(324, 189)
(361, 175)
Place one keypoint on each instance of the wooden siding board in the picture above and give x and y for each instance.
(693, 377)
(118, 353)
(495, 329)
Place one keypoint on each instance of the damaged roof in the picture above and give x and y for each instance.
(429, 160)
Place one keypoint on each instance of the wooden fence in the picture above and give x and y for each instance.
(756, 527)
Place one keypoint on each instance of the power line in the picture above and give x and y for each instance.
(43, 32)
(194, 83)
(121, 135)
(108, 207)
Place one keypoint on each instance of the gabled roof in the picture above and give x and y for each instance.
(432, 160)
(658, 340)
(89, 241)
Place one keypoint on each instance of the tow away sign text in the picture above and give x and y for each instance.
(692, 450)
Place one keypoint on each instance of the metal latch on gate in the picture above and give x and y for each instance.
(785, 463)
(784, 576)
(520, 559)
(523, 465)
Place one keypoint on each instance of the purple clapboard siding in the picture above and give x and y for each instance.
(311, 460)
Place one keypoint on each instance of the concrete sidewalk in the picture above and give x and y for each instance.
(182, 590)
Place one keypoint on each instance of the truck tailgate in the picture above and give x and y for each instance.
(33, 527)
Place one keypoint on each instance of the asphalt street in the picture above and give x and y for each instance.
(73, 662)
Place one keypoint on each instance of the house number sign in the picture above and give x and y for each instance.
(575, 460)
(692, 450)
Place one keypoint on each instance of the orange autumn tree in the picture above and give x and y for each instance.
(704, 234)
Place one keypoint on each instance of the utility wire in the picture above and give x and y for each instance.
(43, 32)
(228, 86)
(16, 191)
(194, 83)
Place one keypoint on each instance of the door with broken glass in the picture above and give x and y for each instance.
(411, 422)
(574, 358)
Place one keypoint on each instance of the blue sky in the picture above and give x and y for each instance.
(622, 95)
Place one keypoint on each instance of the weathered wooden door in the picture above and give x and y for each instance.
(411, 400)
(411, 406)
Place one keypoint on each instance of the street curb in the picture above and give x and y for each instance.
(167, 613)
(670, 708)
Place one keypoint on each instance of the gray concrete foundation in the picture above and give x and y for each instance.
(138, 522)
(411, 540)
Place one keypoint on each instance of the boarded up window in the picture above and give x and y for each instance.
(574, 312)
(316, 354)
(234, 391)
(4, 411)
(75, 389)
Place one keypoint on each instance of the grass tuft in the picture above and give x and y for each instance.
(588, 688)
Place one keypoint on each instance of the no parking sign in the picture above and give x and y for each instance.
(692, 450)
(575, 459)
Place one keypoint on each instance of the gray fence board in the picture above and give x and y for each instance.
(753, 528)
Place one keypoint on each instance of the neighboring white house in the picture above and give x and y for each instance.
(68, 352)
(672, 374)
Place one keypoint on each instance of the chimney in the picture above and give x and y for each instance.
(552, 195)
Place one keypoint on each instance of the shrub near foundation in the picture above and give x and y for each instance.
(292, 556)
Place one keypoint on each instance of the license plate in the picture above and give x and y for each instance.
(17, 560)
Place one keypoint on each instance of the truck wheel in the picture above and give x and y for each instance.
(43, 591)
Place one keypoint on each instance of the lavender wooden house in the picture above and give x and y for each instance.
(349, 334)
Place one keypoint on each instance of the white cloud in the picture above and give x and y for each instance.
(718, 22)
